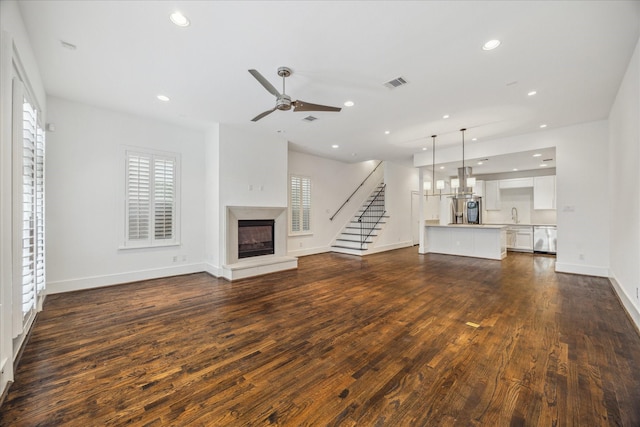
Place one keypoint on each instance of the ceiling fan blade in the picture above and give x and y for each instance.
(264, 82)
(307, 106)
(261, 115)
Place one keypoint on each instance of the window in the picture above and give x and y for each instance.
(151, 199)
(300, 205)
(29, 267)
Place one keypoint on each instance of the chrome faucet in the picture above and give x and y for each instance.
(514, 215)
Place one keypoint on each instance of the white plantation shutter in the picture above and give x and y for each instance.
(28, 207)
(28, 211)
(39, 211)
(163, 199)
(300, 204)
(138, 197)
(151, 199)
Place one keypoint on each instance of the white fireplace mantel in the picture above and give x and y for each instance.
(235, 268)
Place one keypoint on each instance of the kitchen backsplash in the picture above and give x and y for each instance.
(522, 200)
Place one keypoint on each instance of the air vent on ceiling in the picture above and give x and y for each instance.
(310, 118)
(397, 82)
(547, 160)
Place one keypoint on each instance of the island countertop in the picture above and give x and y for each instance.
(489, 226)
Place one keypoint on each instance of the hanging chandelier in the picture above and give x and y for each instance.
(464, 176)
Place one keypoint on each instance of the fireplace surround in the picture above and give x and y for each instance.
(234, 267)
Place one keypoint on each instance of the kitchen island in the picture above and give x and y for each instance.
(473, 240)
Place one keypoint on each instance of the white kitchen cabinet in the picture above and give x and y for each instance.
(492, 195)
(544, 192)
(516, 183)
(520, 238)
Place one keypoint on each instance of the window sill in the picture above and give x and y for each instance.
(163, 245)
(306, 233)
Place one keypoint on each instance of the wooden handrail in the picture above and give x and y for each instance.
(354, 192)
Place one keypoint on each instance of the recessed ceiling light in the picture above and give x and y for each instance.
(349, 104)
(446, 116)
(474, 139)
(491, 44)
(543, 165)
(537, 155)
(354, 154)
(441, 167)
(533, 92)
(164, 98)
(179, 19)
(515, 169)
(542, 126)
(387, 132)
(481, 162)
(424, 148)
(335, 146)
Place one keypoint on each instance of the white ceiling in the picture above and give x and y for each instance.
(573, 53)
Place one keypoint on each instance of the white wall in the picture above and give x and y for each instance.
(332, 183)
(13, 35)
(583, 199)
(85, 198)
(401, 181)
(581, 176)
(252, 172)
(212, 201)
(624, 188)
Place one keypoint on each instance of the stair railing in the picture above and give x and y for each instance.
(354, 192)
(371, 216)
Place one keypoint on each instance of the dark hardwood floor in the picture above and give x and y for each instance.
(389, 339)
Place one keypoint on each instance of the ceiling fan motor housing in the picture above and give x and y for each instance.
(283, 103)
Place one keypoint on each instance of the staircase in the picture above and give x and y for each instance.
(365, 226)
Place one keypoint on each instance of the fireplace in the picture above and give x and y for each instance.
(236, 266)
(255, 237)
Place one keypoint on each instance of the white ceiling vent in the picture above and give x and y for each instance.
(397, 82)
(310, 118)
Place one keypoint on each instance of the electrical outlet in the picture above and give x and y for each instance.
(581, 257)
(175, 259)
(184, 257)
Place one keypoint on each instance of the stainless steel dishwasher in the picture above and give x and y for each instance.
(544, 239)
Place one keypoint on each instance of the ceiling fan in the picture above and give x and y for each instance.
(283, 101)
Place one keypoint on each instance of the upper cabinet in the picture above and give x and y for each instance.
(516, 183)
(492, 195)
(544, 192)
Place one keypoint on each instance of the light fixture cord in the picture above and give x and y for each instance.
(433, 165)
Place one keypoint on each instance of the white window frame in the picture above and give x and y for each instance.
(150, 241)
(301, 206)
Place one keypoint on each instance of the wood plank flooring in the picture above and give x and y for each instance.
(382, 340)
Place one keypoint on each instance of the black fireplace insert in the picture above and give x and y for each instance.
(255, 237)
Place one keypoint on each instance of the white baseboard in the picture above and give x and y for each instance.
(213, 270)
(309, 251)
(115, 279)
(585, 270)
(390, 247)
(626, 301)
